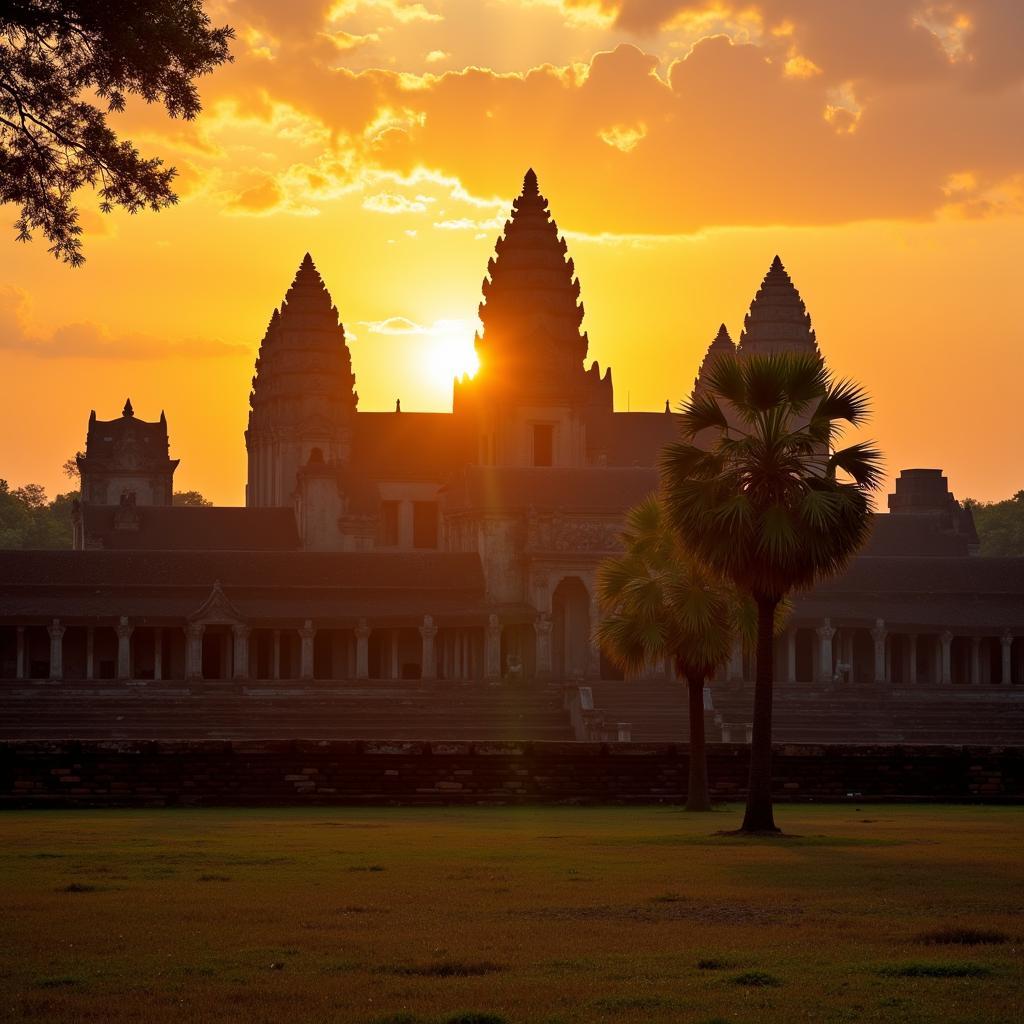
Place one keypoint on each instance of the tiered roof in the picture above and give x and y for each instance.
(778, 321)
(304, 369)
(531, 311)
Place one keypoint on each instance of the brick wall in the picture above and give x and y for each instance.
(66, 773)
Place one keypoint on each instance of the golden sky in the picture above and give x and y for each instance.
(877, 146)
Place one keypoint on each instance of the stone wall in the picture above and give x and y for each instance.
(63, 773)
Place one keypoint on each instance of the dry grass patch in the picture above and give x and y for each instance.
(634, 915)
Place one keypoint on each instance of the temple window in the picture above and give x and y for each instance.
(424, 524)
(543, 444)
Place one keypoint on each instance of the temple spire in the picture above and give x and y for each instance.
(128, 410)
(778, 320)
(531, 310)
(721, 346)
(303, 391)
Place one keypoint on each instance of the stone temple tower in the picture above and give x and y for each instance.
(303, 396)
(778, 320)
(532, 395)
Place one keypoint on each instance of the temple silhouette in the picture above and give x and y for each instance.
(406, 548)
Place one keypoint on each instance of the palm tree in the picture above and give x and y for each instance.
(762, 495)
(660, 602)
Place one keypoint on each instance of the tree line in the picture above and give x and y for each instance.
(30, 520)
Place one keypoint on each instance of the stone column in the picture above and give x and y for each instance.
(396, 668)
(1006, 640)
(975, 660)
(791, 655)
(306, 636)
(56, 631)
(362, 632)
(275, 656)
(878, 635)
(21, 668)
(946, 663)
(825, 634)
(194, 651)
(158, 652)
(492, 648)
(240, 638)
(542, 631)
(911, 658)
(428, 658)
(124, 648)
(90, 653)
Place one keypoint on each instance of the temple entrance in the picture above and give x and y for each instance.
(570, 632)
(517, 652)
(217, 652)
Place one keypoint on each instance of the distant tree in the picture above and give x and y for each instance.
(189, 498)
(70, 466)
(1000, 525)
(659, 602)
(760, 500)
(56, 55)
(29, 520)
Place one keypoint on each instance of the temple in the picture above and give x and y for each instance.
(409, 549)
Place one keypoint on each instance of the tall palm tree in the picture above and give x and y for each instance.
(762, 494)
(660, 602)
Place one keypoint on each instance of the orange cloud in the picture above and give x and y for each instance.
(84, 340)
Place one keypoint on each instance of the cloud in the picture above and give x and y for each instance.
(775, 112)
(400, 325)
(389, 202)
(85, 340)
(263, 197)
(623, 137)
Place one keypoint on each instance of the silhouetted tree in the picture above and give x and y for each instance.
(29, 520)
(189, 498)
(54, 56)
(1000, 525)
(754, 486)
(660, 602)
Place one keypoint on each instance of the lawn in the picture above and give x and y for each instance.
(877, 913)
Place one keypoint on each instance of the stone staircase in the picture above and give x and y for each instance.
(656, 711)
(282, 710)
(653, 710)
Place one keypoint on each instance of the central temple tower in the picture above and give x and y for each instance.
(532, 396)
(303, 396)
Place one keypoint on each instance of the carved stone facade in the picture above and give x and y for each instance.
(465, 545)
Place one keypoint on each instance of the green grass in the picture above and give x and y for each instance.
(511, 916)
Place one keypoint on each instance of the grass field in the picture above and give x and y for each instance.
(878, 913)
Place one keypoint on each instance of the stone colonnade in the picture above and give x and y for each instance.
(244, 651)
(833, 652)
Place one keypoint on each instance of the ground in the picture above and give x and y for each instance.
(516, 915)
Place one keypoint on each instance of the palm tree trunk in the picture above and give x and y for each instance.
(697, 798)
(758, 816)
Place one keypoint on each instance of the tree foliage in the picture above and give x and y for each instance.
(759, 489)
(1000, 525)
(29, 520)
(65, 65)
(189, 498)
(658, 602)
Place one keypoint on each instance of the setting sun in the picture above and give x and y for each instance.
(448, 353)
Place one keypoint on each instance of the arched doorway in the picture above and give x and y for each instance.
(570, 632)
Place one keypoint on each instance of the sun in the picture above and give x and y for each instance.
(449, 353)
